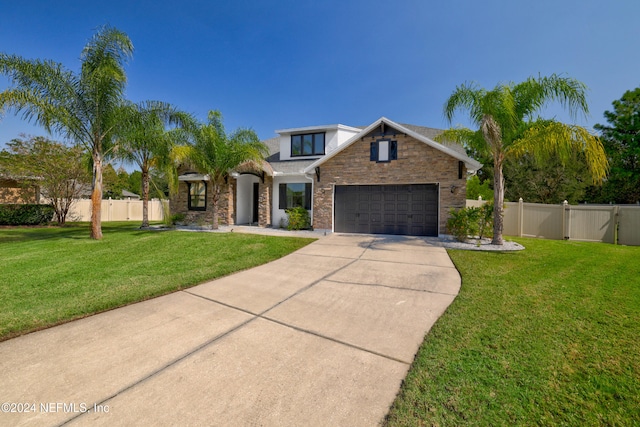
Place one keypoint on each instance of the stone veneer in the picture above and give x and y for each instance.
(226, 204)
(417, 163)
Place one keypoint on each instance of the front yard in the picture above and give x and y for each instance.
(546, 336)
(53, 275)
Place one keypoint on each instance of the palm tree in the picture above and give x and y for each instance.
(216, 154)
(146, 141)
(507, 127)
(84, 108)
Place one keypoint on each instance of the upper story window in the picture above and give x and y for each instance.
(308, 144)
(383, 151)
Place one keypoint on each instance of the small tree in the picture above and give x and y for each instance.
(508, 126)
(216, 154)
(85, 107)
(60, 170)
(147, 141)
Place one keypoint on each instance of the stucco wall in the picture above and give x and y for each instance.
(417, 163)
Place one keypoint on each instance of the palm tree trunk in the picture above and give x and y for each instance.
(214, 205)
(96, 198)
(498, 203)
(145, 197)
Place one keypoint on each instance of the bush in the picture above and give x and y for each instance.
(176, 218)
(26, 214)
(298, 219)
(471, 222)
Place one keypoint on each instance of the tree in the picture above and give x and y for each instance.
(60, 170)
(552, 181)
(147, 142)
(476, 189)
(134, 183)
(621, 139)
(114, 181)
(216, 154)
(84, 107)
(507, 128)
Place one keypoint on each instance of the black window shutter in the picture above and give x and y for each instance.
(282, 203)
(307, 195)
(393, 150)
(373, 151)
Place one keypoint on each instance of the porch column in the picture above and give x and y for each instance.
(264, 202)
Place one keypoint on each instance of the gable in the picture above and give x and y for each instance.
(409, 161)
(384, 128)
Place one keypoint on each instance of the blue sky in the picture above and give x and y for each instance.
(278, 64)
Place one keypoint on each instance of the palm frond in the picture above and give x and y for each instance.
(547, 138)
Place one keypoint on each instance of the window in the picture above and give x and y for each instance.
(197, 196)
(294, 195)
(383, 151)
(308, 144)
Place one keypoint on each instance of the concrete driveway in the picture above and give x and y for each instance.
(322, 337)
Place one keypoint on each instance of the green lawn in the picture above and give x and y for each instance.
(546, 336)
(52, 275)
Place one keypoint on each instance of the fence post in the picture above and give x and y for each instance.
(616, 223)
(520, 217)
(566, 222)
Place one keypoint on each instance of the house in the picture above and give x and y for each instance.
(386, 178)
(18, 190)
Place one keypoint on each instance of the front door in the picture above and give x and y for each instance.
(256, 202)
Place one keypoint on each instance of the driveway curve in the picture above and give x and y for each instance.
(323, 336)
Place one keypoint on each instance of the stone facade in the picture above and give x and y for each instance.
(227, 203)
(180, 204)
(264, 202)
(417, 163)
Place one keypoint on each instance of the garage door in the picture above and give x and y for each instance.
(387, 209)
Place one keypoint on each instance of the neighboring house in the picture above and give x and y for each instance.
(18, 190)
(387, 178)
(126, 194)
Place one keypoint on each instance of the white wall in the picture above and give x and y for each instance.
(278, 215)
(333, 138)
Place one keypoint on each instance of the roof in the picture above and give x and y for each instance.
(420, 133)
(308, 129)
(127, 193)
(284, 167)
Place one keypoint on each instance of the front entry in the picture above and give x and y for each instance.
(410, 209)
(256, 202)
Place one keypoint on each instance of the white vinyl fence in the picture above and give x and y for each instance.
(618, 224)
(116, 210)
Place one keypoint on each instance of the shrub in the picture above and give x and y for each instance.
(177, 218)
(298, 219)
(471, 222)
(26, 214)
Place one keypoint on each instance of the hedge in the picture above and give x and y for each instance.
(25, 214)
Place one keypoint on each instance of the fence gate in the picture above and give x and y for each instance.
(589, 223)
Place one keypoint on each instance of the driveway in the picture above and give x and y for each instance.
(321, 337)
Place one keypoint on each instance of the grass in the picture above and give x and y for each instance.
(53, 275)
(546, 336)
